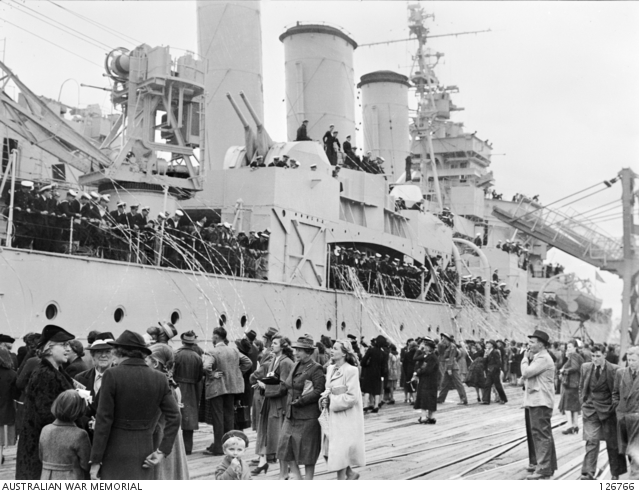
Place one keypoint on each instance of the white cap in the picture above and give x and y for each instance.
(94, 195)
(26, 183)
(121, 204)
(72, 193)
(85, 196)
(179, 212)
(227, 225)
(146, 208)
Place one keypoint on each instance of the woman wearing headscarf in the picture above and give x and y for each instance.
(274, 404)
(343, 398)
(174, 466)
(374, 369)
(570, 376)
(300, 440)
(427, 371)
(47, 381)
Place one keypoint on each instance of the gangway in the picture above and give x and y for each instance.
(565, 231)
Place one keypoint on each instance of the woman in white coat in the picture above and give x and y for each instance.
(343, 398)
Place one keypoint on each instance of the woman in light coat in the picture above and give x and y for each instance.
(343, 398)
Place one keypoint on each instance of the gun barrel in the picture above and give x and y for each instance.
(258, 122)
(238, 111)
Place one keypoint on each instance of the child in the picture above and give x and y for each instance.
(232, 467)
(65, 448)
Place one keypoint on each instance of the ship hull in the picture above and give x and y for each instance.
(85, 294)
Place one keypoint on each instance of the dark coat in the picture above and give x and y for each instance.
(429, 377)
(596, 397)
(188, 373)
(625, 400)
(302, 133)
(304, 407)
(8, 393)
(493, 362)
(572, 369)
(374, 368)
(45, 384)
(75, 367)
(408, 364)
(132, 397)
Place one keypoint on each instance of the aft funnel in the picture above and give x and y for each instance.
(385, 113)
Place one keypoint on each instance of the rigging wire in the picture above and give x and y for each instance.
(64, 28)
(98, 24)
(54, 44)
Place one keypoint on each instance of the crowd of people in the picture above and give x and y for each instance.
(127, 408)
(82, 224)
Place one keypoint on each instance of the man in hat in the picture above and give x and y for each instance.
(133, 217)
(451, 370)
(224, 379)
(102, 357)
(118, 217)
(596, 387)
(131, 396)
(302, 132)
(538, 373)
(188, 373)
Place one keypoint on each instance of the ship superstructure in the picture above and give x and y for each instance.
(342, 256)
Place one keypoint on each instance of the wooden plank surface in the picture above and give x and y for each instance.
(465, 439)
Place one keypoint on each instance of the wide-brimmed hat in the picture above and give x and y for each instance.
(129, 339)
(492, 342)
(190, 338)
(243, 345)
(540, 335)
(305, 342)
(251, 335)
(101, 342)
(5, 338)
(447, 336)
(54, 333)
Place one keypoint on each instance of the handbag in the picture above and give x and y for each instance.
(410, 387)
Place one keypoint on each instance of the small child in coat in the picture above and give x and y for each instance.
(65, 448)
(232, 467)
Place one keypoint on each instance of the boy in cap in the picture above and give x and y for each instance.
(234, 443)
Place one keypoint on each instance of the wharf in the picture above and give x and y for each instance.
(475, 442)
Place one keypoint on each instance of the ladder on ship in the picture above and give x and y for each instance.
(564, 230)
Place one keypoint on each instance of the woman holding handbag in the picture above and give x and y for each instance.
(271, 414)
(343, 402)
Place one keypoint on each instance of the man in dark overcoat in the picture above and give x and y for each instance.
(302, 132)
(132, 396)
(188, 373)
(596, 386)
(102, 358)
(625, 399)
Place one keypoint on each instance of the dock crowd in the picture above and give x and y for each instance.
(127, 408)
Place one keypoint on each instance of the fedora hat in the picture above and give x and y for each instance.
(305, 342)
(54, 333)
(189, 337)
(540, 335)
(129, 339)
(270, 333)
(5, 338)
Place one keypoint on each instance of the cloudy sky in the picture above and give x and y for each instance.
(553, 85)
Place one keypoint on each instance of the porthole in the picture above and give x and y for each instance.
(298, 323)
(283, 212)
(175, 316)
(118, 315)
(343, 325)
(222, 320)
(473, 331)
(429, 329)
(401, 327)
(329, 325)
(243, 321)
(51, 311)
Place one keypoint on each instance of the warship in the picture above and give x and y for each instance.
(402, 246)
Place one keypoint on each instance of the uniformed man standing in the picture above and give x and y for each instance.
(451, 370)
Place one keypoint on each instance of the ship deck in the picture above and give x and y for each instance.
(476, 442)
